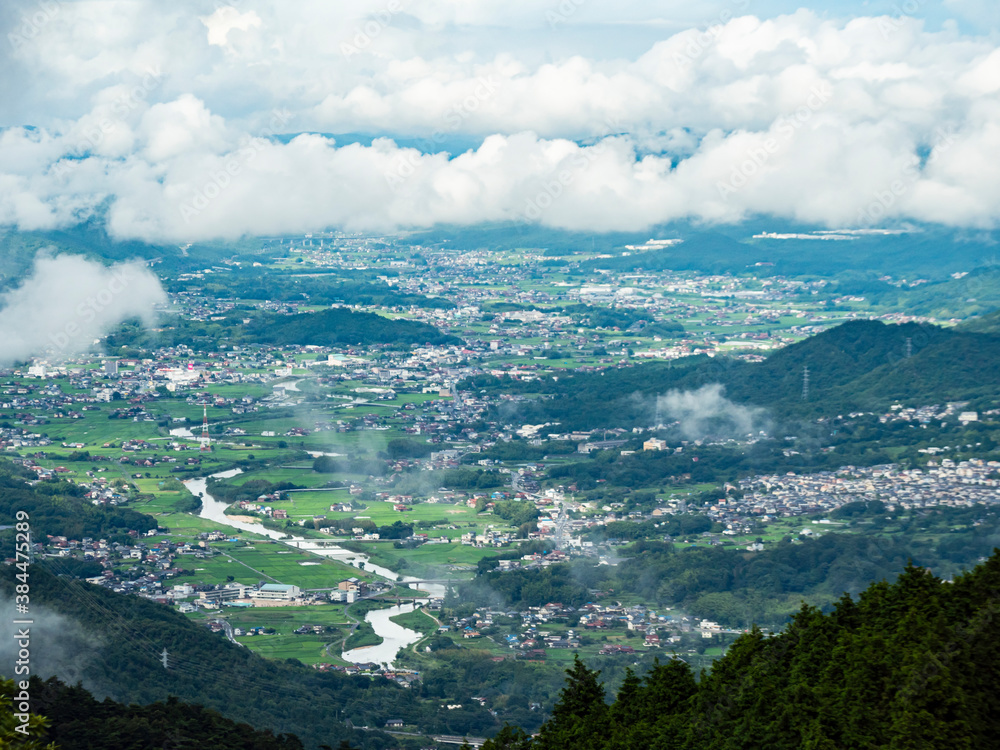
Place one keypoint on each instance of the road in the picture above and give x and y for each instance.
(448, 739)
(426, 612)
(228, 630)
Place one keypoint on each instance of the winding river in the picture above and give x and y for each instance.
(394, 637)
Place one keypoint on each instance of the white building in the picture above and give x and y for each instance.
(277, 592)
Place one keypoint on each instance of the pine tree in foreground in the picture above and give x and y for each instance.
(912, 665)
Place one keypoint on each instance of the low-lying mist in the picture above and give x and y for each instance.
(68, 302)
(706, 413)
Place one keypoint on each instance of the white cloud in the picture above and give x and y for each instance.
(179, 128)
(224, 20)
(714, 123)
(707, 413)
(67, 302)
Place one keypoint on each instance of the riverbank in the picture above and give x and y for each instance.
(393, 636)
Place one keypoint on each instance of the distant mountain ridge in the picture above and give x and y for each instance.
(859, 365)
(761, 245)
(790, 249)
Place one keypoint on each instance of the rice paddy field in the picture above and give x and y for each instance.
(452, 560)
(272, 562)
(309, 648)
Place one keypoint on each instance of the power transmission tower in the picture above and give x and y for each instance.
(805, 383)
(909, 347)
(165, 658)
(206, 441)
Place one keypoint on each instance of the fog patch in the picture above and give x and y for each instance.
(68, 303)
(706, 413)
(59, 647)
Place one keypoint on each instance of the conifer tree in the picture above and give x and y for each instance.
(580, 717)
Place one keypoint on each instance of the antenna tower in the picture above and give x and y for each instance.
(206, 441)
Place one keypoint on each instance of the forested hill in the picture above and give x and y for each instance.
(333, 327)
(339, 326)
(859, 365)
(988, 323)
(912, 664)
(113, 642)
(78, 721)
(59, 508)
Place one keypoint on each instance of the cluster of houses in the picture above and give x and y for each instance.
(402, 677)
(537, 628)
(941, 483)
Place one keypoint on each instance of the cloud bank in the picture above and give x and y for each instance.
(68, 302)
(166, 124)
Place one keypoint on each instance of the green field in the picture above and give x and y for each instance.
(416, 620)
(363, 635)
(434, 560)
(270, 560)
(309, 648)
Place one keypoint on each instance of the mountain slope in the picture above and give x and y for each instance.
(859, 365)
(78, 721)
(125, 636)
(912, 664)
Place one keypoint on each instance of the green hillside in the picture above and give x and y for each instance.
(58, 509)
(334, 327)
(911, 664)
(125, 636)
(859, 365)
(339, 326)
(988, 323)
(78, 721)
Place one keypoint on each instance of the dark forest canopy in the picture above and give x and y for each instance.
(911, 664)
(339, 326)
(333, 327)
(78, 721)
